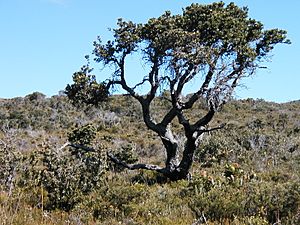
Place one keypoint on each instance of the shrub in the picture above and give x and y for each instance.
(10, 163)
(125, 152)
(273, 202)
(63, 175)
(83, 135)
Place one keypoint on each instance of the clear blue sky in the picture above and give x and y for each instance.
(42, 42)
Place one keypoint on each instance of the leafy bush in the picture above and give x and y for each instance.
(215, 148)
(10, 163)
(64, 175)
(83, 135)
(86, 89)
(126, 153)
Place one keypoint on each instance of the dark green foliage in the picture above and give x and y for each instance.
(85, 89)
(204, 38)
(83, 135)
(35, 96)
(64, 176)
(126, 153)
(210, 27)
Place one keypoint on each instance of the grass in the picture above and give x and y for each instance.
(246, 173)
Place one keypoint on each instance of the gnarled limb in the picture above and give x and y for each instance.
(77, 146)
(213, 128)
(136, 166)
(204, 120)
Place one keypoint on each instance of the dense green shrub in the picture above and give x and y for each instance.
(126, 153)
(10, 163)
(83, 135)
(63, 175)
(213, 149)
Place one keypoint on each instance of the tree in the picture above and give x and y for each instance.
(216, 44)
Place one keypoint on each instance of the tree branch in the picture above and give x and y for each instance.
(185, 123)
(147, 118)
(213, 129)
(205, 119)
(145, 102)
(77, 146)
(189, 104)
(190, 72)
(168, 117)
(141, 83)
(136, 166)
(122, 80)
(153, 79)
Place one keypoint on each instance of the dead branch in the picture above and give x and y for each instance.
(136, 166)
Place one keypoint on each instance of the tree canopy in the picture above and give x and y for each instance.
(217, 44)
